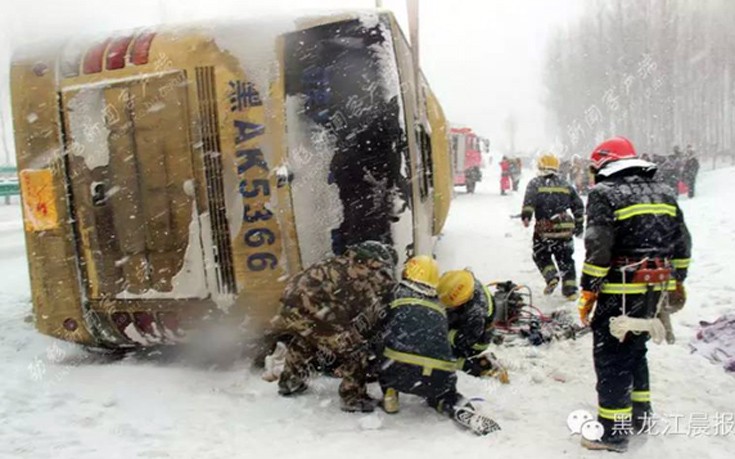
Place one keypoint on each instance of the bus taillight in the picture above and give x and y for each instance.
(117, 52)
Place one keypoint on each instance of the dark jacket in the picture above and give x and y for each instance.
(630, 216)
(416, 330)
(470, 324)
(669, 171)
(548, 198)
(691, 168)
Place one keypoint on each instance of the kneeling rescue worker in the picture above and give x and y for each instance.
(417, 356)
(549, 197)
(470, 313)
(331, 310)
(637, 254)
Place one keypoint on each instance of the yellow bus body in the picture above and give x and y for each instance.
(173, 175)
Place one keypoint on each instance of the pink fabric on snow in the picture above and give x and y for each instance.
(716, 341)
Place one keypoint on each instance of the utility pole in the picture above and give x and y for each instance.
(413, 32)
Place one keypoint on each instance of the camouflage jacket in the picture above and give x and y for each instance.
(342, 297)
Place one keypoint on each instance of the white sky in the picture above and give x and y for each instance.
(483, 59)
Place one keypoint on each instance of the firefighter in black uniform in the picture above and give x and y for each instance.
(637, 254)
(470, 312)
(548, 198)
(417, 356)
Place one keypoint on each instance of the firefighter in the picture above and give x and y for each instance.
(417, 356)
(470, 313)
(331, 311)
(549, 198)
(637, 254)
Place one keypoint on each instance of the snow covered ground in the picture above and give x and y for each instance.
(58, 401)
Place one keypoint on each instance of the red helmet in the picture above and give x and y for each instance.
(612, 150)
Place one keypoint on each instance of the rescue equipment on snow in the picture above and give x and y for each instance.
(516, 317)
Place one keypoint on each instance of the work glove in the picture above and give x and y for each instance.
(585, 305)
(275, 362)
(677, 298)
(490, 367)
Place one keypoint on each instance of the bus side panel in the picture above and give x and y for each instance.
(442, 168)
(258, 252)
(50, 244)
(282, 198)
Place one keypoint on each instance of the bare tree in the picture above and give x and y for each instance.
(659, 72)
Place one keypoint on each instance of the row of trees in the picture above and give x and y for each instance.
(660, 72)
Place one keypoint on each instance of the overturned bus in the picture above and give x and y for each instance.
(175, 174)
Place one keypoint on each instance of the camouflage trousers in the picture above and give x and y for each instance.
(320, 354)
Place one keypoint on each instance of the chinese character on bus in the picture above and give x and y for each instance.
(243, 95)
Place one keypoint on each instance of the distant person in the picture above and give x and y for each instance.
(565, 170)
(670, 171)
(515, 172)
(690, 170)
(505, 184)
(579, 175)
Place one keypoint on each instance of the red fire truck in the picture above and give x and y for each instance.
(466, 147)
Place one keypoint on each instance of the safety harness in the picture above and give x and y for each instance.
(645, 280)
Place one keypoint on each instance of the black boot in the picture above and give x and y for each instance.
(613, 438)
(569, 292)
(290, 385)
(358, 404)
(642, 414)
(551, 286)
(617, 446)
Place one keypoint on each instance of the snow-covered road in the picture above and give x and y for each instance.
(58, 401)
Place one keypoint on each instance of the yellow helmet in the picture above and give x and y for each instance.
(422, 268)
(548, 161)
(456, 287)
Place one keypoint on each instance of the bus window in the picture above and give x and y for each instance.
(345, 136)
